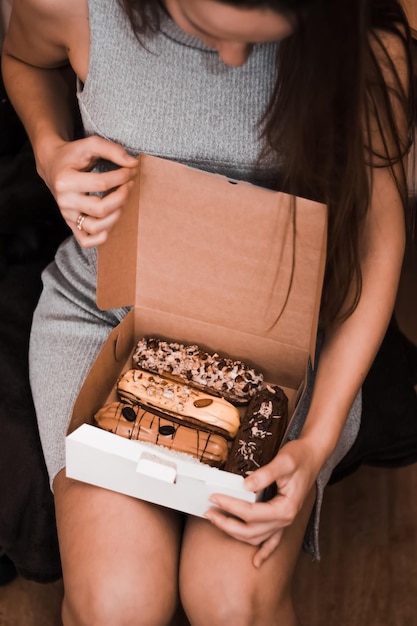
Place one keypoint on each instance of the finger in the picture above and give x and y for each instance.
(90, 241)
(93, 206)
(280, 511)
(261, 478)
(252, 534)
(90, 225)
(97, 207)
(91, 182)
(232, 506)
(251, 531)
(95, 147)
(90, 231)
(267, 548)
(279, 470)
(116, 199)
(246, 511)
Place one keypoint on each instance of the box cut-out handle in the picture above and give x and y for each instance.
(154, 466)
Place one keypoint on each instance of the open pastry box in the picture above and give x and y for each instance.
(234, 268)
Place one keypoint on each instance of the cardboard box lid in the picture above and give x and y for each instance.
(234, 267)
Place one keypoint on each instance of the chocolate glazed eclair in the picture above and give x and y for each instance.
(260, 434)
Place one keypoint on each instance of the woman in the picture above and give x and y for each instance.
(309, 96)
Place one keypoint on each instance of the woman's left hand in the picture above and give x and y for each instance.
(294, 471)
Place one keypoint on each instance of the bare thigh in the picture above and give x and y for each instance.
(219, 584)
(119, 556)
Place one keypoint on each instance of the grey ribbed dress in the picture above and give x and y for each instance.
(169, 96)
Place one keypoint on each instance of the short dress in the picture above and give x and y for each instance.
(166, 94)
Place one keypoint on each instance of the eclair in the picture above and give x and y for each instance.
(136, 423)
(231, 379)
(183, 403)
(261, 432)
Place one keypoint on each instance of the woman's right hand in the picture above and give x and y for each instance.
(66, 171)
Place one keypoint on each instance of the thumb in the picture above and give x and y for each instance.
(280, 468)
(261, 478)
(109, 150)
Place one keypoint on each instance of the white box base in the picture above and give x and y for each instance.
(148, 471)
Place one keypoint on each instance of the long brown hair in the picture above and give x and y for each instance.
(339, 109)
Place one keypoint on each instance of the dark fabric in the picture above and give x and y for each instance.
(27, 518)
(388, 432)
(30, 223)
(30, 229)
(7, 570)
(12, 134)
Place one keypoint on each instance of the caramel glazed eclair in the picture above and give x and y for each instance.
(230, 379)
(181, 402)
(136, 423)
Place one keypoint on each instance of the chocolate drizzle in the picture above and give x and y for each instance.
(138, 423)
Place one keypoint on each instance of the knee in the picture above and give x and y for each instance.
(117, 602)
(246, 608)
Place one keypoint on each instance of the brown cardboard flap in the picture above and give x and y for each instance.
(204, 257)
(116, 270)
(99, 383)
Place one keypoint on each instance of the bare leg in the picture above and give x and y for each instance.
(119, 557)
(219, 585)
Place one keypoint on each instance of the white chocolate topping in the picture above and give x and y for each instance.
(225, 377)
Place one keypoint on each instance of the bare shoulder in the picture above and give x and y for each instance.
(41, 32)
(389, 89)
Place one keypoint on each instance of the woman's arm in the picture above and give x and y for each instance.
(43, 38)
(35, 70)
(350, 347)
(346, 356)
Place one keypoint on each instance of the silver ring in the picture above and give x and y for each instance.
(80, 221)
